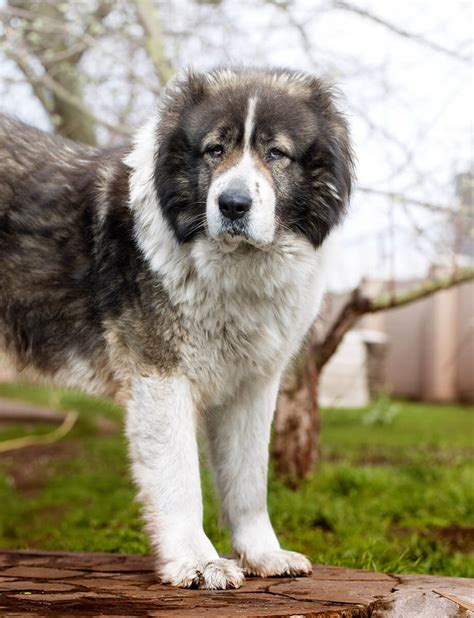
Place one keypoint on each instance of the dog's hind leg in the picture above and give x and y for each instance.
(239, 437)
(161, 429)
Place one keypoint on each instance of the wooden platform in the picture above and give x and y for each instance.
(65, 584)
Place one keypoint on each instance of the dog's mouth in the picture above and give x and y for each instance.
(235, 229)
(233, 233)
(238, 233)
(232, 240)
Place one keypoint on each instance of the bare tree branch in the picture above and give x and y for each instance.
(359, 305)
(22, 62)
(348, 6)
(70, 120)
(441, 208)
(151, 23)
(42, 83)
(51, 26)
(64, 94)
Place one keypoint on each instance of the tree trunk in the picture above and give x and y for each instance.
(296, 433)
(65, 102)
(295, 446)
(149, 17)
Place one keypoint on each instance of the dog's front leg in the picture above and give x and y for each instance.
(239, 437)
(161, 429)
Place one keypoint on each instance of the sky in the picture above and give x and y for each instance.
(409, 105)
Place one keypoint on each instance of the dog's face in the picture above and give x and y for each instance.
(245, 155)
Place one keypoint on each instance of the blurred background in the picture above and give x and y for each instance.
(391, 358)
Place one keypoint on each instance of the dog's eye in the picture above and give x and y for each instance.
(216, 151)
(274, 154)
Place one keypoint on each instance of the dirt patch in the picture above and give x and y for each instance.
(30, 468)
(456, 538)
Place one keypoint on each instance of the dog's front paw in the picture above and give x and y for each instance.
(276, 563)
(217, 574)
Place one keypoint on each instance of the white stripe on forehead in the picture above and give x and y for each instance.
(249, 122)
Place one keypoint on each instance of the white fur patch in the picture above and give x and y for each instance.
(261, 217)
(161, 426)
(276, 563)
(260, 227)
(249, 122)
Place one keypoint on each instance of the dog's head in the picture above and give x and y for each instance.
(244, 155)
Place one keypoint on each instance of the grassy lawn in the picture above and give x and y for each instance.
(394, 491)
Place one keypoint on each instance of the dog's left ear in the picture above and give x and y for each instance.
(331, 153)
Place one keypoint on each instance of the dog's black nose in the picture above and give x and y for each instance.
(234, 205)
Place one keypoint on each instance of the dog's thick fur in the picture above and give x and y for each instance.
(120, 273)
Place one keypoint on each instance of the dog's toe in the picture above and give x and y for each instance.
(221, 574)
(216, 574)
(277, 563)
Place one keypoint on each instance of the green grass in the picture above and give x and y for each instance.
(394, 490)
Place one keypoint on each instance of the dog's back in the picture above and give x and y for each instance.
(36, 166)
(43, 196)
(48, 217)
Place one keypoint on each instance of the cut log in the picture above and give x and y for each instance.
(64, 584)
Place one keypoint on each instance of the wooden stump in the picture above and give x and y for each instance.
(64, 584)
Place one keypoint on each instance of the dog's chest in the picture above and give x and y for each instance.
(230, 338)
(239, 317)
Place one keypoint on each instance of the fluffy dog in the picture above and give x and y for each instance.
(180, 274)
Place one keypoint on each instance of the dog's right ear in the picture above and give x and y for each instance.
(185, 90)
(174, 161)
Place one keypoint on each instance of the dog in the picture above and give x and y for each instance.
(180, 274)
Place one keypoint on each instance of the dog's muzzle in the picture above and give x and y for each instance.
(241, 206)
